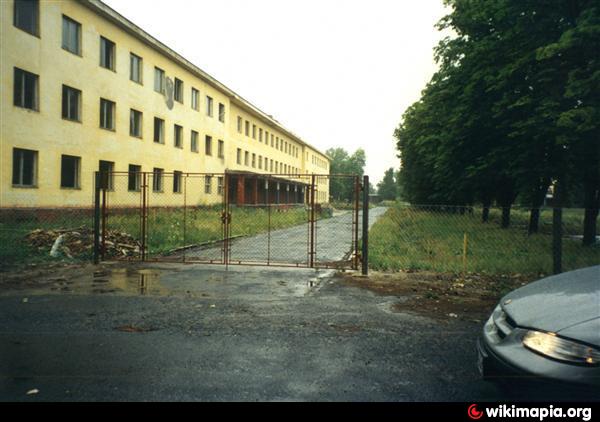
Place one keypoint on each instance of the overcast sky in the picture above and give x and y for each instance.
(338, 73)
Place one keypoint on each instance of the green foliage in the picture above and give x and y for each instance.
(342, 189)
(387, 188)
(513, 107)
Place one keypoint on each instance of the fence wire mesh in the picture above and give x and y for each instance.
(456, 239)
(228, 218)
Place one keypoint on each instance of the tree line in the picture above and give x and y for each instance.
(513, 109)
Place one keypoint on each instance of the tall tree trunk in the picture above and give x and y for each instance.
(486, 201)
(592, 206)
(506, 196)
(505, 217)
(537, 202)
(485, 213)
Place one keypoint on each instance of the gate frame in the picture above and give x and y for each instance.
(101, 214)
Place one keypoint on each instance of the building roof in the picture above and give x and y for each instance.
(134, 30)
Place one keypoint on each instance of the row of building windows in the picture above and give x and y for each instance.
(25, 164)
(319, 162)
(26, 17)
(269, 165)
(276, 142)
(26, 95)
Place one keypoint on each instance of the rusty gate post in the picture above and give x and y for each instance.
(312, 221)
(226, 217)
(103, 218)
(355, 220)
(365, 228)
(144, 215)
(96, 218)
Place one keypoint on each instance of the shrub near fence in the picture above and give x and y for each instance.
(412, 237)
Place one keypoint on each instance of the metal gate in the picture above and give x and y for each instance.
(230, 218)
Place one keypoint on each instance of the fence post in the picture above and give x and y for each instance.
(96, 217)
(557, 239)
(365, 228)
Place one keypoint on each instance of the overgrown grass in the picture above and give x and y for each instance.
(168, 229)
(14, 249)
(414, 238)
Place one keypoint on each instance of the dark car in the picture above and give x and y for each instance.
(547, 333)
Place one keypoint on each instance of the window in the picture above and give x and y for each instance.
(208, 145)
(239, 124)
(194, 141)
(195, 99)
(26, 89)
(106, 169)
(246, 158)
(135, 123)
(247, 128)
(208, 184)
(253, 131)
(209, 106)
(221, 149)
(107, 114)
(220, 185)
(157, 179)
(71, 35)
(239, 156)
(177, 181)
(135, 68)
(221, 112)
(253, 160)
(69, 172)
(260, 135)
(27, 16)
(178, 90)
(178, 134)
(159, 80)
(272, 136)
(260, 162)
(24, 167)
(159, 130)
(107, 53)
(71, 103)
(271, 166)
(134, 178)
(266, 138)
(277, 143)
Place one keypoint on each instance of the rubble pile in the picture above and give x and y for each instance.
(80, 241)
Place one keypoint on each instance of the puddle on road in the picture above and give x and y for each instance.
(189, 282)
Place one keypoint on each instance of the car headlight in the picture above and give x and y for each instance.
(549, 344)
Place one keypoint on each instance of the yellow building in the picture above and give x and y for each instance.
(84, 89)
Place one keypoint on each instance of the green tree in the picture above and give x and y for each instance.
(342, 163)
(387, 188)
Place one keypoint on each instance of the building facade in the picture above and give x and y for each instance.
(84, 89)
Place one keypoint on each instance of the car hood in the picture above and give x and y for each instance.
(559, 302)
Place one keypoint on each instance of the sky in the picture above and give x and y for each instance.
(337, 73)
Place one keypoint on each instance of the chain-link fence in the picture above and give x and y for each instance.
(232, 218)
(471, 239)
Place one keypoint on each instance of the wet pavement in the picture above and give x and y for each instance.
(198, 332)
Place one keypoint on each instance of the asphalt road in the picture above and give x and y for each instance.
(193, 332)
(290, 245)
